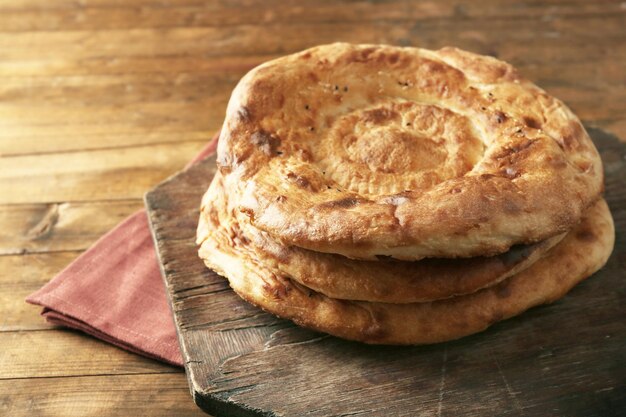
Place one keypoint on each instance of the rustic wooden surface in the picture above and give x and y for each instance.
(102, 99)
(568, 358)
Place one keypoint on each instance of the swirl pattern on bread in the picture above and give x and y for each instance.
(369, 151)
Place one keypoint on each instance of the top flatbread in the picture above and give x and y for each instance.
(368, 150)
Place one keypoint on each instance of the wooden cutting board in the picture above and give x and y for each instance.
(565, 359)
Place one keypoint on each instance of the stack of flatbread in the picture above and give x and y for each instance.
(401, 195)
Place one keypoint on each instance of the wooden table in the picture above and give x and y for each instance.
(102, 99)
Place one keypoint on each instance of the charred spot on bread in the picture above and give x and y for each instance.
(266, 142)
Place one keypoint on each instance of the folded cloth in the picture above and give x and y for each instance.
(114, 291)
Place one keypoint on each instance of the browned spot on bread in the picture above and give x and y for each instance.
(532, 122)
(584, 166)
(568, 142)
(511, 206)
(557, 162)
(362, 55)
(375, 331)
(278, 288)
(224, 162)
(248, 212)
(244, 115)
(278, 292)
(242, 239)
(324, 62)
(516, 253)
(515, 148)
(267, 288)
(266, 142)
(393, 57)
(586, 235)
(304, 155)
(313, 77)
(572, 138)
(435, 66)
(510, 173)
(344, 202)
(504, 291)
(213, 215)
(396, 199)
(225, 170)
(500, 117)
(486, 177)
(281, 198)
(379, 116)
(301, 181)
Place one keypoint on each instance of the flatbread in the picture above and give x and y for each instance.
(387, 280)
(583, 251)
(366, 150)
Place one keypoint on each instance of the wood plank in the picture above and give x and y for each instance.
(21, 276)
(40, 139)
(114, 15)
(282, 38)
(563, 359)
(585, 103)
(118, 174)
(193, 82)
(155, 15)
(110, 395)
(50, 67)
(34, 228)
(235, 4)
(238, 64)
(31, 355)
(71, 113)
(116, 89)
(26, 119)
(229, 68)
(603, 75)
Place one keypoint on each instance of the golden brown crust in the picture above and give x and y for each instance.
(582, 252)
(387, 280)
(377, 150)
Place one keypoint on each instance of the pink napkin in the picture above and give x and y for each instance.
(114, 291)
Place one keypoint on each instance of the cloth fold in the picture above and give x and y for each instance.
(114, 291)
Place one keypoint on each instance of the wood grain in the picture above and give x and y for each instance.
(21, 276)
(39, 228)
(108, 174)
(155, 395)
(121, 15)
(22, 356)
(564, 358)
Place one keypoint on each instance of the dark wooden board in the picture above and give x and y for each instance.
(564, 359)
